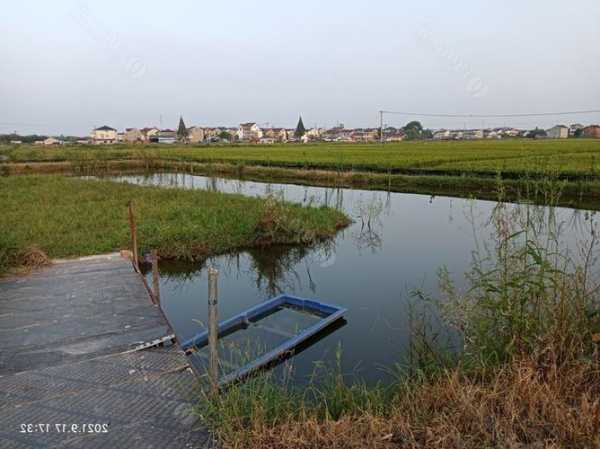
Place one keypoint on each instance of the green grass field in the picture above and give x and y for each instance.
(573, 157)
(67, 217)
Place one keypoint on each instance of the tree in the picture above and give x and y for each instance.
(182, 132)
(225, 135)
(413, 130)
(300, 129)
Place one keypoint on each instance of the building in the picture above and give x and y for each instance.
(52, 141)
(267, 140)
(473, 134)
(249, 132)
(167, 136)
(277, 134)
(365, 135)
(314, 133)
(150, 134)
(104, 135)
(133, 135)
(196, 134)
(575, 129)
(592, 131)
(558, 132)
(442, 134)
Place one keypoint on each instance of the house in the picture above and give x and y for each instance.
(196, 134)
(314, 133)
(442, 134)
(133, 135)
(52, 141)
(16, 142)
(365, 135)
(337, 134)
(592, 131)
(150, 134)
(167, 136)
(277, 134)
(558, 132)
(575, 129)
(267, 140)
(473, 134)
(104, 135)
(492, 134)
(249, 132)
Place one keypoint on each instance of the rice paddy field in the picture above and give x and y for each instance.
(576, 158)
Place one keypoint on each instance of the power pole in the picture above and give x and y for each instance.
(381, 127)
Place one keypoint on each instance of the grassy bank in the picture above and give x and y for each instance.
(523, 368)
(513, 158)
(66, 217)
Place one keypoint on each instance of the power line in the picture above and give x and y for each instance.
(538, 114)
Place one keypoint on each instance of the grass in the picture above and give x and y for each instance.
(572, 157)
(67, 217)
(460, 168)
(522, 368)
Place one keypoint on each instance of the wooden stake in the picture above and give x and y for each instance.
(133, 229)
(155, 278)
(213, 329)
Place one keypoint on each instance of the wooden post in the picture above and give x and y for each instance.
(155, 279)
(213, 329)
(133, 229)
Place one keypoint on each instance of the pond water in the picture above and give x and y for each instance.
(396, 245)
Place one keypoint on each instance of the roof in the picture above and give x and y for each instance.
(105, 128)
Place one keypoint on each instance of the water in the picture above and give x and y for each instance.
(396, 245)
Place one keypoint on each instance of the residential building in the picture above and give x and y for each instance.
(249, 132)
(150, 134)
(104, 135)
(592, 131)
(338, 134)
(365, 135)
(52, 141)
(196, 134)
(575, 128)
(133, 135)
(167, 136)
(473, 134)
(442, 134)
(267, 140)
(314, 133)
(558, 132)
(277, 134)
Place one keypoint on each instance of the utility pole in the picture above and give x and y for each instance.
(381, 127)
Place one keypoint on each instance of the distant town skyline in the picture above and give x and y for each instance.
(69, 66)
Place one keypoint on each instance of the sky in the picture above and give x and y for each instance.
(69, 66)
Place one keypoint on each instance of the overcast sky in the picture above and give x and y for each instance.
(67, 66)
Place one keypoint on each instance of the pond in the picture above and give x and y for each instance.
(396, 245)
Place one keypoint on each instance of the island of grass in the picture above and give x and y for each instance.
(66, 217)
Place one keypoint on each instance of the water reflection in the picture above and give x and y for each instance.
(397, 244)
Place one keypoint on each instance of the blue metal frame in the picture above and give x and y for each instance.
(330, 313)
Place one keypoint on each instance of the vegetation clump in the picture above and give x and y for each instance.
(516, 363)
